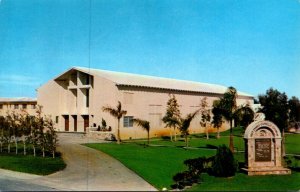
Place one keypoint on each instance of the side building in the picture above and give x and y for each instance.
(8, 105)
(75, 99)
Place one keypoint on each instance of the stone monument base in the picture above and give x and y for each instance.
(267, 171)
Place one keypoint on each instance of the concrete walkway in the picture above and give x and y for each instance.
(89, 170)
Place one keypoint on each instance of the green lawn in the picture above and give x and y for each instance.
(242, 182)
(292, 143)
(158, 163)
(29, 164)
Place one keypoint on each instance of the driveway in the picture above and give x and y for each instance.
(88, 170)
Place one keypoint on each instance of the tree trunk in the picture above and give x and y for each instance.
(148, 138)
(175, 138)
(53, 154)
(34, 154)
(118, 139)
(8, 147)
(24, 145)
(206, 128)
(16, 144)
(186, 141)
(1, 147)
(171, 138)
(283, 144)
(43, 150)
(218, 133)
(231, 147)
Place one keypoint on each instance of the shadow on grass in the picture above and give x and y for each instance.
(166, 138)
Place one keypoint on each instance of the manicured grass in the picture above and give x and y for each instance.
(292, 143)
(159, 162)
(31, 164)
(243, 182)
(157, 165)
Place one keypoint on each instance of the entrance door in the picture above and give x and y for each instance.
(66, 117)
(85, 122)
(75, 122)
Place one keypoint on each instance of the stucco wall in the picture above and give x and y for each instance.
(50, 99)
(145, 103)
(10, 107)
(150, 104)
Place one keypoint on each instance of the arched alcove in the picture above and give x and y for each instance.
(263, 149)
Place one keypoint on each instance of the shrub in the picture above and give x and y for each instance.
(292, 162)
(193, 175)
(224, 164)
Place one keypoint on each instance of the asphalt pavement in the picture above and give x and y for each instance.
(87, 170)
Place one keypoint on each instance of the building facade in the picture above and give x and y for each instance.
(8, 105)
(75, 99)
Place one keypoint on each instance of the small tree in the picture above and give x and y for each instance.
(2, 127)
(205, 116)
(25, 127)
(275, 108)
(145, 125)
(9, 130)
(16, 128)
(294, 110)
(172, 116)
(217, 116)
(34, 136)
(50, 136)
(185, 125)
(224, 164)
(118, 113)
(244, 115)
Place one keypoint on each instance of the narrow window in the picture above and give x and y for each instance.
(56, 119)
(87, 98)
(1, 106)
(128, 121)
(87, 79)
(16, 106)
(24, 106)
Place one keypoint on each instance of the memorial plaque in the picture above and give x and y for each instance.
(262, 149)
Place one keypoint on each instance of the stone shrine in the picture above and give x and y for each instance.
(263, 149)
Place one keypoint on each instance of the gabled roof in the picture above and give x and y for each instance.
(128, 79)
(17, 100)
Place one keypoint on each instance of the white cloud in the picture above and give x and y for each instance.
(19, 79)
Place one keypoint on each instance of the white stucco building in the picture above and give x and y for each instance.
(8, 105)
(75, 99)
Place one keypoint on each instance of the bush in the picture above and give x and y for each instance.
(193, 175)
(292, 162)
(224, 164)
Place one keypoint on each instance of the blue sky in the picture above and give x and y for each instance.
(251, 44)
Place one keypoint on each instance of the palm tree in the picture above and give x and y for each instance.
(145, 125)
(185, 124)
(118, 113)
(229, 107)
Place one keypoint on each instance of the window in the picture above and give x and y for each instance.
(56, 119)
(128, 121)
(87, 102)
(33, 106)
(16, 106)
(24, 106)
(1, 106)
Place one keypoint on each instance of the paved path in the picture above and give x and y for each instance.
(88, 170)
